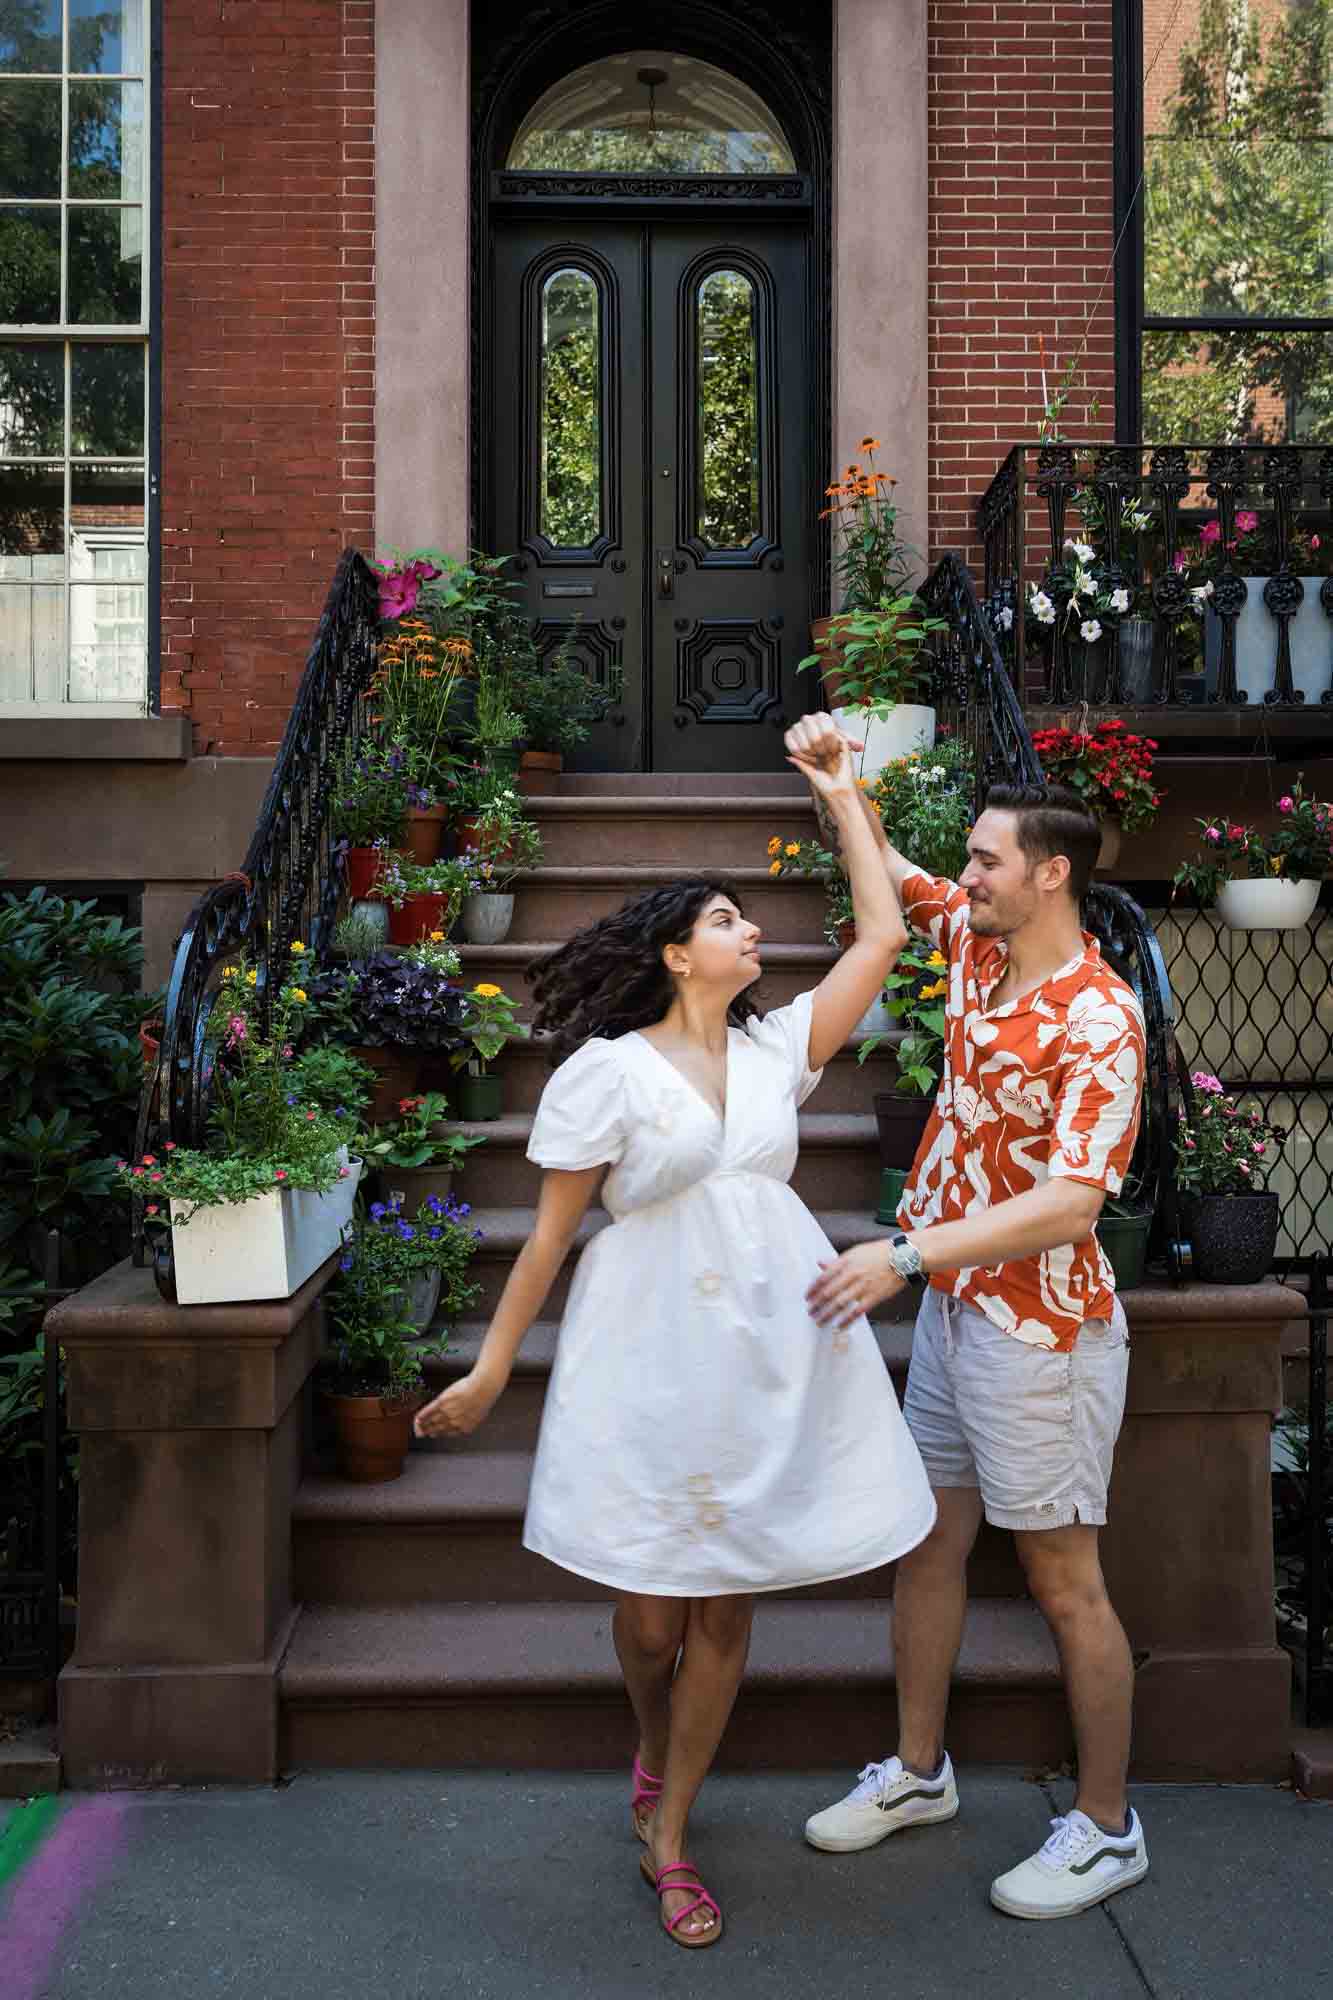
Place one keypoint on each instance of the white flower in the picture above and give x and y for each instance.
(1006, 616)
(1120, 600)
(1040, 605)
(1090, 629)
(1083, 551)
(938, 775)
(1083, 584)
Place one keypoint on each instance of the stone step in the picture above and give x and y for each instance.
(450, 1531)
(838, 1165)
(537, 1685)
(788, 969)
(689, 835)
(558, 901)
(505, 1231)
(693, 787)
(848, 1084)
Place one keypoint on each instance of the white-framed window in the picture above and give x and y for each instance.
(74, 148)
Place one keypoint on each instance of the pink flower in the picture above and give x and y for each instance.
(136, 1171)
(1314, 541)
(1258, 1150)
(308, 1117)
(343, 1173)
(1235, 833)
(154, 1177)
(1246, 522)
(1179, 560)
(122, 1163)
(235, 1031)
(1203, 1079)
(170, 1146)
(1190, 1146)
(287, 1053)
(150, 1208)
(280, 1173)
(1210, 531)
(1286, 804)
(1244, 1166)
(1212, 833)
(399, 589)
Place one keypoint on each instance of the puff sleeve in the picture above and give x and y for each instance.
(786, 1033)
(580, 1121)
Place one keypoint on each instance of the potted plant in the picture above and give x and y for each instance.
(263, 1203)
(871, 562)
(423, 1260)
(1283, 869)
(373, 1385)
(423, 897)
(414, 690)
(388, 1011)
(1224, 1155)
(1080, 597)
(498, 841)
(914, 995)
(416, 1155)
(370, 806)
(560, 704)
(488, 1026)
(925, 801)
(883, 671)
(365, 929)
(1123, 1229)
(810, 861)
(1271, 573)
(1111, 769)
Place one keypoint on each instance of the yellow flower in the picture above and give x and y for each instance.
(792, 847)
(298, 993)
(229, 972)
(252, 977)
(1276, 864)
(934, 992)
(937, 961)
(437, 937)
(863, 783)
(775, 843)
(775, 868)
(484, 992)
(297, 949)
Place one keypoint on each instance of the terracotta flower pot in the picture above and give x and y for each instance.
(363, 866)
(425, 830)
(831, 657)
(901, 1122)
(538, 771)
(418, 917)
(396, 1076)
(373, 1435)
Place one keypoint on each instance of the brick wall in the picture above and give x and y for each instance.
(267, 369)
(1021, 234)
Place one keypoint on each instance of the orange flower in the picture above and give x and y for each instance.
(833, 489)
(851, 472)
(866, 488)
(428, 673)
(868, 444)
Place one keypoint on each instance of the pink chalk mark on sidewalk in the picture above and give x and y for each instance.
(39, 1910)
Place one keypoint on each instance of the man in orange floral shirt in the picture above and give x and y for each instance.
(1020, 1353)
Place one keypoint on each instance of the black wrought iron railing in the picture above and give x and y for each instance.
(1207, 579)
(288, 885)
(30, 1523)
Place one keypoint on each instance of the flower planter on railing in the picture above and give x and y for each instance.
(264, 1248)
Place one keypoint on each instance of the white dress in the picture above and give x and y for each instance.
(702, 1435)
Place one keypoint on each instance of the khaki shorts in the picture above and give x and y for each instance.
(1034, 1430)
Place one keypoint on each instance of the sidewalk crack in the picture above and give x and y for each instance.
(1109, 1913)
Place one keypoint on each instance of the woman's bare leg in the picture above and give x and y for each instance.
(648, 1632)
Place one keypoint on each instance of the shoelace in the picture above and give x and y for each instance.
(875, 1780)
(1067, 1841)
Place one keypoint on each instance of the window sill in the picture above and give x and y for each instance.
(117, 739)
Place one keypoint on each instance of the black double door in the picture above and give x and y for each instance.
(651, 445)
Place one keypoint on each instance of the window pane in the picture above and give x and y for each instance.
(29, 266)
(106, 36)
(571, 458)
(32, 401)
(1238, 214)
(108, 643)
(649, 111)
(106, 140)
(727, 504)
(32, 643)
(29, 139)
(106, 522)
(32, 515)
(1237, 387)
(105, 266)
(106, 399)
(30, 35)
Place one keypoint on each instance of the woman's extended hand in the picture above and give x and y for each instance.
(823, 755)
(460, 1408)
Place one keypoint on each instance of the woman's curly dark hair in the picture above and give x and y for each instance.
(610, 977)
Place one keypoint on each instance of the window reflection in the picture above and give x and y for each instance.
(32, 401)
(651, 111)
(727, 501)
(30, 35)
(571, 398)
(30, 138)
(1247, 386)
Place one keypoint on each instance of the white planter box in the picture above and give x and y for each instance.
(1310, 633)
(264, 1248)
(1267, 906)
(910, 726)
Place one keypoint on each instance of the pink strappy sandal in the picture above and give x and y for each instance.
(647, 1791)
(688, 1885)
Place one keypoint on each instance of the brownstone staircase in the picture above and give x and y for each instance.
(427, 1633)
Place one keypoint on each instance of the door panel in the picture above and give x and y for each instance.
(650, 443)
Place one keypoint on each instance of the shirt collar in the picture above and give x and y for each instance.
(1061, 985)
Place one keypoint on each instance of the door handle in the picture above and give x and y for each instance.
(666, 573)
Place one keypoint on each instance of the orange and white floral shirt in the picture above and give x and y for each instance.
(1048, 1084)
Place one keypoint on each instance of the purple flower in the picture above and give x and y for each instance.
(1203, 1080)
(377, 1211)
(341, 1111)
(435, 1234)
(346, 1261)
(291, 1099)
(406, 1232)
(434, 1204)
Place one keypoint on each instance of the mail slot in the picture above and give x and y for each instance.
(569, 590)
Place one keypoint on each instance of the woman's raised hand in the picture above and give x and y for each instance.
(823, 755)
(459, 1408)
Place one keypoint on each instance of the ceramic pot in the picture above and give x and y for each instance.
(1109, 851)
(539, 771)
(900, 1120)
(363, 865)
(1256, 643)
(415, 1185)
(877, 1020)
(487, 918)
(1124, 1238)
(417, 918)
(908, 726)
(373, 1435)
(425, 830)
(395, 1077)
(1234, 1236)
(480, 1099)
(375, 915)
(423, 1296)
(1138, 637)
(1267, 905)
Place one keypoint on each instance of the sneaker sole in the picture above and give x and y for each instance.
(1125, 1881)
(856, 1846)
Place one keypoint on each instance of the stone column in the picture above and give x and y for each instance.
(880, 244)
(422, 266)
(1188, 1550)
(189, 1422)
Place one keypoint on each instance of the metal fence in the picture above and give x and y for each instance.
(30, 1526)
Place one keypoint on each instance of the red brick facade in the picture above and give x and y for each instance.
(267, 368)
(1021, 234)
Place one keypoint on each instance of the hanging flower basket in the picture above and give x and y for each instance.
(1274, 905)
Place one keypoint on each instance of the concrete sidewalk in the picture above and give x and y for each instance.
(500, 1887)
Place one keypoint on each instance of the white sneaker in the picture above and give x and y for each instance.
(1080, 1865)
(886, 1799)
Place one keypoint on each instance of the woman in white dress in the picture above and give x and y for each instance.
(703, 1439)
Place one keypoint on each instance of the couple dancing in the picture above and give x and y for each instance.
(719, 1419)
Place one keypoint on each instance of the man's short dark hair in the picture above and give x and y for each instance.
(1051, 820)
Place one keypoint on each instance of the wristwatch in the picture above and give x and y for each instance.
(906, 1260)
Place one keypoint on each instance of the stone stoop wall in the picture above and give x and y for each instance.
(267, 358)
(1021, 235)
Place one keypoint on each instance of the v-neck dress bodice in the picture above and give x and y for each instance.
(701, 1434)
